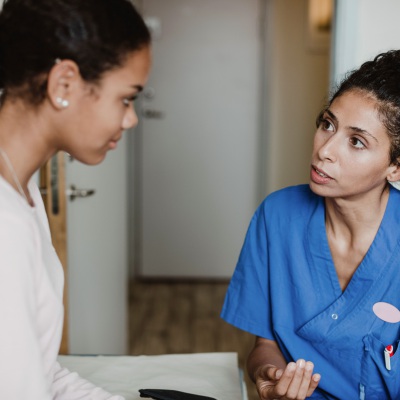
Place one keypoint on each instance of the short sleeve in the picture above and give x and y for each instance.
(246, 303)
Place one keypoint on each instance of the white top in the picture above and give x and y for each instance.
(31, 308)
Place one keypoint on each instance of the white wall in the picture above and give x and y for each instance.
(364, 28)
(297, 87)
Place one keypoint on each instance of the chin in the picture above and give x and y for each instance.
(312, 187)
(87, 160)
(318, 189)
(98, 161)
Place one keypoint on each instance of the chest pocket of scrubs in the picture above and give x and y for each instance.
(377, 381)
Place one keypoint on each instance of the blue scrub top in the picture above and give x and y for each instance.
(285, 288)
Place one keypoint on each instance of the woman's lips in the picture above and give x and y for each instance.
(318, 176)
(113, 144)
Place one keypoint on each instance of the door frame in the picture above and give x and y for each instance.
(52, 188)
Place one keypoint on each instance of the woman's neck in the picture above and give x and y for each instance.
(351, 227)
(23, 139)
(356, 216)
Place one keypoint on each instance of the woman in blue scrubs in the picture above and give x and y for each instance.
(318, 259)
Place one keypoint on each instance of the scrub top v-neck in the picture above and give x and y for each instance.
(285, 288)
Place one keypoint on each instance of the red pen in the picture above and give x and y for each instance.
(389, 351)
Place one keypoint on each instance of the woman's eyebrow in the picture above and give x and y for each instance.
(331, 114)
(363, 132)
(353, 128)
(139, 88)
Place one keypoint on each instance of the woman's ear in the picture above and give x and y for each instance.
(62, 81)
(394, 173)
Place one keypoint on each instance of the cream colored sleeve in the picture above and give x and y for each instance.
(21, 365)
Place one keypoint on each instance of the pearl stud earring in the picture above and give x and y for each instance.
(62, 102)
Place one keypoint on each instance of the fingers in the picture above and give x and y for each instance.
(314, 383)
(272, 373)
(266, 379)
(297, 381)
(282, 387)
(307, 384)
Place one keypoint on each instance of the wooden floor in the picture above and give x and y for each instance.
(176, 317)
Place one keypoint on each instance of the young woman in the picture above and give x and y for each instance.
(69, 70)
(319, 259)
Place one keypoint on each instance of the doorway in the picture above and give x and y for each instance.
(197, 150)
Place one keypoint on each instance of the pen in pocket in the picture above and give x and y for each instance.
(388, 352)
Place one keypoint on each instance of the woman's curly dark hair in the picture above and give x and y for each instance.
(380, 78)
(96, 34)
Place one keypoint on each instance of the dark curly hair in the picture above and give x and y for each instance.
(380, 78)
(96, 34)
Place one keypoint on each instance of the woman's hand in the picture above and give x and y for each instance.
(295, 382)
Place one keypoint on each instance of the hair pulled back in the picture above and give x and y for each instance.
(380, 78)
(96, 34)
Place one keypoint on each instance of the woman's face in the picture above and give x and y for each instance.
(351, 148)
(100, 113)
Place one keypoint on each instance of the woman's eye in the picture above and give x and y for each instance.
(327, 125)
(357, 143)
(129, 100)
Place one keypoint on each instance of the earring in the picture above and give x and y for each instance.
(62, 102)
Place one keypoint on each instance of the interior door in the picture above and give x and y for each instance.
(198, 170)
(97, 254)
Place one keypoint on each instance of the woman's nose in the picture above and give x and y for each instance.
(328, 149)
(130, 118)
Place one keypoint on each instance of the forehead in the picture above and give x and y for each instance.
(359, 109)
(133, 71)
(355, 96)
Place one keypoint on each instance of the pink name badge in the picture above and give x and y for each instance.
(386, 312)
